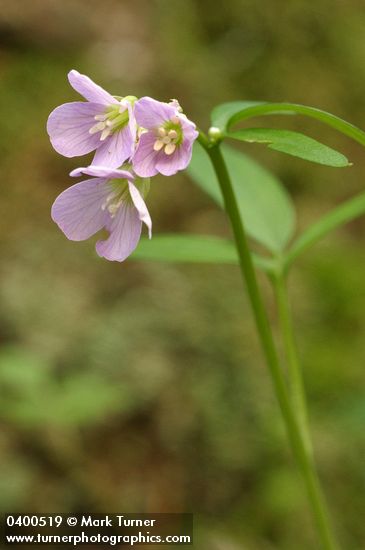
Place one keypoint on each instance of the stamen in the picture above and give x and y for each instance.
(101, 117)
(105, 133)
(170, 148)
(166, 139)
(109, 198)
(98, 127)
(161, 131)
(113, 208)
(120, 119)
(158, 145)
(112, 204)
(114, 119)
(172, 134)
(113, 114)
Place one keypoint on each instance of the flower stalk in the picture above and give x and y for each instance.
(296, 385)
(297, 441)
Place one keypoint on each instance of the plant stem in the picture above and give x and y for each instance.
(263, 327)
(297, 390)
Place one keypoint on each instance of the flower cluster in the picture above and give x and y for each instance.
(133, 139)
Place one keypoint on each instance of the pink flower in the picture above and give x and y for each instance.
(112, 199)
(103, 124)
(166, 140)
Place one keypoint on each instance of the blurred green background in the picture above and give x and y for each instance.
(140, 387)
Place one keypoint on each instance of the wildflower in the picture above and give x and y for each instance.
(103, 123)
(166, 138)
(113, 199)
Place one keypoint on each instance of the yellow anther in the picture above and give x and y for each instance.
(105, 133)
(170, 148)
(101, 117)
(157, 146)
(98, 127)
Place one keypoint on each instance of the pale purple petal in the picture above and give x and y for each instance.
(102, 172)
(150, 113)
(68, 128)
(87, 88)
(78, 210)
(116, 149)
(168, 165)
(141, 207)
(144, 159)
(189, 129)
(125, 231)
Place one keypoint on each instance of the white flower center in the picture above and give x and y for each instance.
(169, 136)
(115, 118)
(118, 196)
(112, 204)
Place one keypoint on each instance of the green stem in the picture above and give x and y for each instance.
(264, 331)
(297, 390)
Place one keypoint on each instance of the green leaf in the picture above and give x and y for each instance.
(292, 143)
(224, 116)
(223, 112)
(186, 248)
(344, 213)
(192, 249)
(264, 204)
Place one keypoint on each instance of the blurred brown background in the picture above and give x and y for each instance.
(140, 387)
